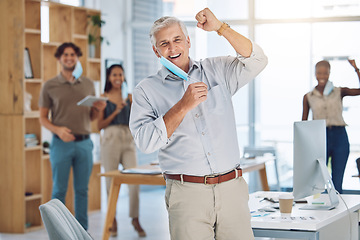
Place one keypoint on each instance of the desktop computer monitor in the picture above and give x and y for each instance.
(310, 173)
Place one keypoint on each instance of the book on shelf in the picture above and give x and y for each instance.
(31, 140)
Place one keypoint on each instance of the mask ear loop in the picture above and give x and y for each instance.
(157, 50)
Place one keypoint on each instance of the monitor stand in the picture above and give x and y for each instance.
(334, 200)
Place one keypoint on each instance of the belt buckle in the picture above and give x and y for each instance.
(208, 176)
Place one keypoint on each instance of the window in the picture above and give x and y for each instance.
(335, 8)
(282, 9)
(294, 35)
(281, 86)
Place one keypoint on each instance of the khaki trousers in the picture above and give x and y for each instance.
(117, 147)
(207, 212)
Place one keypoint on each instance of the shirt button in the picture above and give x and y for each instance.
(197, 115)
(202, 133)
(209, 153)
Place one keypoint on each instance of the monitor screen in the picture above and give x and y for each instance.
(310, 173)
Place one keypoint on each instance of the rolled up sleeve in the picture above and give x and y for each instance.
(254, 64)
(148, 130)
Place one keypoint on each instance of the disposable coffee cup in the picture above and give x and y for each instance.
(286, 203)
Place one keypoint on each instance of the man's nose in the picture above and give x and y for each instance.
(171, 46)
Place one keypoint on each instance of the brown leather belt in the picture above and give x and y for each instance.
(78, 137)
(209, 179)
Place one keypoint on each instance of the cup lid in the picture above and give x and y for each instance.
(286, 196)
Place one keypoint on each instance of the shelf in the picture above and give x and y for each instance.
(31, 97)
(33, 197)
(94, 60)
(60, 23)
(33, 148)
(80, 36)
(32, 15)
(32, 217)
(32, 31)
(28, 169)
(94, 70)
(51, 68)
(51, 44)
(80, 22)
(32, 114)
(33, 44)
(33, 166)
(33, 80)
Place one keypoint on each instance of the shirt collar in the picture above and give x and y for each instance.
(316, 92)
(165, 74)
(61, 79)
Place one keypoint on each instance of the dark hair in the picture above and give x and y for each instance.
(60, 50)
(108, 85)
(323, 63)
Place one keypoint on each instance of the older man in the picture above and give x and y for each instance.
(192, 124)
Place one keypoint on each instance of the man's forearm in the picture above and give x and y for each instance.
(45, 122)
(173, 118)
(241, 44)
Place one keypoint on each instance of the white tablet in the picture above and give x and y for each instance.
(89, 100)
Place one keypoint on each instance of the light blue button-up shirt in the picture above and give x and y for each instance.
(206, 140)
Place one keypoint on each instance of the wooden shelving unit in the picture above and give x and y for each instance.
(25, 174)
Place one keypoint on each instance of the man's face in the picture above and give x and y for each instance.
(68, 59)
(172, 44)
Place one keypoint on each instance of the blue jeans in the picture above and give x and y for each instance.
(338, 148)
(78, 155)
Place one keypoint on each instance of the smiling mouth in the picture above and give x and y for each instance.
(175, 56)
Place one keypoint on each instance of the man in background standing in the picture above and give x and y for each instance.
(71, 145)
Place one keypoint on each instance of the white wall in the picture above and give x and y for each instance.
(113, 13)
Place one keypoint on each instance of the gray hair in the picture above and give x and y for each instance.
(165, 22)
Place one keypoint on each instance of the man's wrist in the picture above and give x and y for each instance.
(356, 69)
(223, 27)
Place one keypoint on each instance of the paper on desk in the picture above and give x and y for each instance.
(89, 100)
(259, 214)
(269, 195)
(290, 218)
(142, 171)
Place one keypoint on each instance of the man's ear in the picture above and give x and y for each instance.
(156, 52)
(188, 41)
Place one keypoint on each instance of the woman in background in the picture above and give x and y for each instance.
(117, 144)
(325, 101)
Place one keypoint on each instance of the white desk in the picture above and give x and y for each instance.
(333, 224)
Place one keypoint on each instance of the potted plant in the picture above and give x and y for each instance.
(94, 37)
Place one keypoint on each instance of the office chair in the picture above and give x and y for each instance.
(358, 165)
(256, 151)
(60, 223)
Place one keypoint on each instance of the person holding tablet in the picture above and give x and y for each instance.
(71, 146)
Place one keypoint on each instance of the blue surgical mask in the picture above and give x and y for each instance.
(124, 90)
(173, 68)
(78, 70)
(329, 86)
